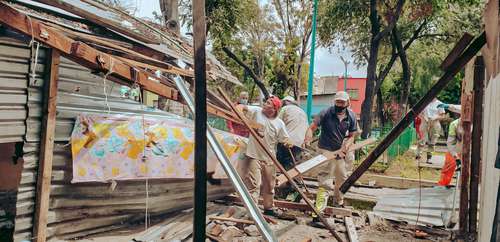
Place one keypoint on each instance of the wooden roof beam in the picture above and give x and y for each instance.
(125, 72)
(83, 53)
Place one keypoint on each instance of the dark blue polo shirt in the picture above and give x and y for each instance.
(333, 130)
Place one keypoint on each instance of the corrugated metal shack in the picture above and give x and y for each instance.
(80, 209)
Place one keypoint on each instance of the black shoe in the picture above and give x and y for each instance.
(339, 205)
(272, 212)
(316, 223)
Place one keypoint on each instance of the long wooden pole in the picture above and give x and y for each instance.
(466, 122)
(200, 122)
(452, 70)
(477, 131)
(46, 149)
(278, 164)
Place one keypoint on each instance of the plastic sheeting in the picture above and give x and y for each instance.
(435, 205)
(119, 147)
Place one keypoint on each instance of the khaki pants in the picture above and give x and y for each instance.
(431, 131)
(259, 178)
(336, 169)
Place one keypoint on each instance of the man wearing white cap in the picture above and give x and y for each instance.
(430, 128)
(338, 127)
(295, 120)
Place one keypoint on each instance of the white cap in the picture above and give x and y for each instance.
(341, 95)
(290, 99)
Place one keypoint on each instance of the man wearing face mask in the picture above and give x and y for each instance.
(338, 127)
(236, 128)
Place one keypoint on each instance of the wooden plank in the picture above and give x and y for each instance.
(278, 164)
(351, 229)
(454, 68)
(200, 121)
(299, 206)
(83, 53)
(46, 148)
(99, 20)
(477, 131)
(317, 161)
(236, 220)
(466, 119)
(125, 73)
(456, 51)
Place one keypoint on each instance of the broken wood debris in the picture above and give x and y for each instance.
(120, 70)
(351, 229)
(299, 206)
(317, 161)
(242, 221)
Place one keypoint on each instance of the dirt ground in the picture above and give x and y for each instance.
(405, 166)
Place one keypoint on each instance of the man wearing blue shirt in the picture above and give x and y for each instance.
(338, 127)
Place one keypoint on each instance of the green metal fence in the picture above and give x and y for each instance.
(401, 144)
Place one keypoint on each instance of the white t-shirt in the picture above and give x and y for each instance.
(295, 120)
(432, 112)
(271, 131)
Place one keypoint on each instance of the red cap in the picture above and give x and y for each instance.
(276, 102)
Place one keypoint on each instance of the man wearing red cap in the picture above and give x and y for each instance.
(259, 172)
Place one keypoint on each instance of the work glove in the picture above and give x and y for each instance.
(288, 144)
(458, 162)
(443, 105)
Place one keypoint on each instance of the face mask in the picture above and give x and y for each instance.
(244, 101)
(339, 109)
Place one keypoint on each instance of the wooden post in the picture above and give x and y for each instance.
(477, 131)
(454, 68)
(200, 122)
(466, 120)
(46, 149)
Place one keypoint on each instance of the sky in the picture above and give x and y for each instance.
(326, 62)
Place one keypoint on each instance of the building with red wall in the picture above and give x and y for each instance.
(356, 88)
(324, 90)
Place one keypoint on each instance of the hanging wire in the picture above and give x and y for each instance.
(33, 42)
(419, 196)
(144, 158)
(104, 84)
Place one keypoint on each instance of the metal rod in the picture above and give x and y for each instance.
(200, 122)
(231, 172)
(454, 68)
(278, 165)
(311, 62)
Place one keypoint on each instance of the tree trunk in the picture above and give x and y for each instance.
(170, 13)
(380, 108)
(406, 71)
(377, 36)
(366, 106)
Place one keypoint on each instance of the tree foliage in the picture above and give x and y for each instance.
(272, 39)
(427, 29)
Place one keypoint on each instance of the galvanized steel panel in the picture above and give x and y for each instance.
(14, 64)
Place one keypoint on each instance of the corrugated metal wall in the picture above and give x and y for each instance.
(14, 69)
(90, 207)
